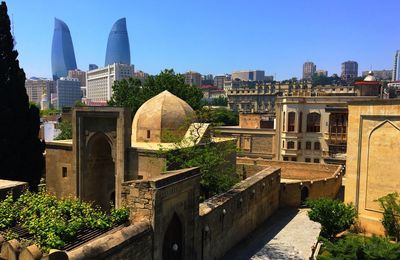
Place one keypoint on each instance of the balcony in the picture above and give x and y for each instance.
(291, 152)
(335, 138)
(334, 157)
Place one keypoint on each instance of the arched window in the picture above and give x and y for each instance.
(290, 145)
(313, 122)
(317, 146)
(291, 121)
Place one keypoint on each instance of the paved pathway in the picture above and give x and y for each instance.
(288, 234)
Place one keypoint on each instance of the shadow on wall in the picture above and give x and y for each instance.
(264, 233)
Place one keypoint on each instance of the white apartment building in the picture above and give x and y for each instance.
(99, 82)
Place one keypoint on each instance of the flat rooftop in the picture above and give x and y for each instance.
(291, 171)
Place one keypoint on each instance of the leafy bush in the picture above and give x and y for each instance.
(54, 222)
(333, 215)
(66, 131)
(391, 214)
(358, 247)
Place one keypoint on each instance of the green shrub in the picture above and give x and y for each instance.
(333, 215)
(54, 222)
(358, 247)
(391, 214)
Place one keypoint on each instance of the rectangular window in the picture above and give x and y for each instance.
(291, 121)
(148, 134)
(308, 145)
(285, 158)
(294, 159)
(290, 145)
(64, 172)
(284, 120)
(300, 122)
(308, 160)
(316, 160)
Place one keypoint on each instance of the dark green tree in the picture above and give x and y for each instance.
(132, 93)
(333, 215)
(66, 130)
(21, 151)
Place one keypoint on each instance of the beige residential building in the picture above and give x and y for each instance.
(313, 129)
(193, 78)
(372, 169)
(37, 88)
(78, 74)
(309, 69)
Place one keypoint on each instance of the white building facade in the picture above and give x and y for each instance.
(99, 82)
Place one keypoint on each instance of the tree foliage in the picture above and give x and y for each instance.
(213, 158)
(54, 222)
(333, 215)
(132, 93)
(66, 130)
(357, 247)
(21, 151)
(391, 214)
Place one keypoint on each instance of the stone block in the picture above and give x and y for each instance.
(32, 252)
(10, 249)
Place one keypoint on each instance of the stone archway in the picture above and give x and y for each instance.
(172, 245)
(304, 195)
(98, 182)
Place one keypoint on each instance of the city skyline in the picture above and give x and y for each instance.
(282, 38)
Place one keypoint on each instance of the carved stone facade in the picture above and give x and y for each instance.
(372, 156)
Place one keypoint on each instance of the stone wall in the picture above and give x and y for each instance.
(159, 200)
(228, 218)
(60, 173)
(132, 242)
(291, 191)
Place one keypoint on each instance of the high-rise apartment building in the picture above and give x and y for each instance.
(380, 74)
(321, 73)
(68, 92)
(78, 74)
(37, 87)
(62, 51)
(193, 78)
(349, 70)
(219, 81)
(118, 50)
(99, 82)
(309, 69)
(396, 69)
(249, 75)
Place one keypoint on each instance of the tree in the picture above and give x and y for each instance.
(66, 131)
(220, 116)
(132, 93)
(333, 215)
(21, 151)
(391, 214)
(213, 158)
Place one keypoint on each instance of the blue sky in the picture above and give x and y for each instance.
(215, 36)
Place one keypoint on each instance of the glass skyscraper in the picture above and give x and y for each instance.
(62, 51)
(118, 50)
(396, 66)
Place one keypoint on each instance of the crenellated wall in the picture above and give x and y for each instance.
(237, 212)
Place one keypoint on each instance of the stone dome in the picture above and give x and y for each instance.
(159, 117)
(370, 77)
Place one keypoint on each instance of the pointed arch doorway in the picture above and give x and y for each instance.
(172, 244)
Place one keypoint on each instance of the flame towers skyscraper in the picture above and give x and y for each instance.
(118, 50)
(62, 50)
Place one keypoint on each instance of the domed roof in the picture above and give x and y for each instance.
(161, 115)
(370, 77)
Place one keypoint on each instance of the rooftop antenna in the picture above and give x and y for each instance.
(12, 30)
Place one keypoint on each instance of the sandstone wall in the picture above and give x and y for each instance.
(228, 218)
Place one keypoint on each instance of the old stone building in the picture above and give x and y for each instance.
(255, 135)
(110, 159)
(373, 151)
(313, 129)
